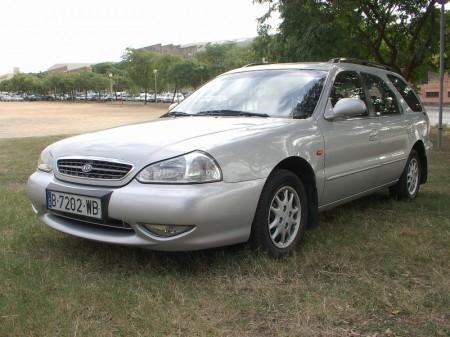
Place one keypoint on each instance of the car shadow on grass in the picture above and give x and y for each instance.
(67, 250)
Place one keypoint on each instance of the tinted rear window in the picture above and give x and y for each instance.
(407, 93)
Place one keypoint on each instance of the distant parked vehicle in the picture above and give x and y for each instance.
(167, 98)
(106, 98)
(48, 98)
(4, 98)
(16, 98)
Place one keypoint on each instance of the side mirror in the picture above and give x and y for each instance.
(347, 107)
(173, 105)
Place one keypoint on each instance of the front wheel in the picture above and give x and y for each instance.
(408, 185)
(280, 217)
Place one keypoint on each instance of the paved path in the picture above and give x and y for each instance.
(433, 113)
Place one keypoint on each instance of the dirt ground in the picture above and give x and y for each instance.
(29, 119)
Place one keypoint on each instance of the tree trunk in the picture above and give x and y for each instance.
(145, 97)
(174, 94)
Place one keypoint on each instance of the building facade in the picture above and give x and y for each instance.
(429, 92)
(185, 51)
(70, 67)
(192, 49)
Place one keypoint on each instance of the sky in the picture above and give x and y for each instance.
(35, 34)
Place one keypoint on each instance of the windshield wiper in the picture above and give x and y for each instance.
(230, 113)
(176, 114)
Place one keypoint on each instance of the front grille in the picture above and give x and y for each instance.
(93, 169)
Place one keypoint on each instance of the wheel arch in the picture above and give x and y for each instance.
(302, 169)
(420, 149)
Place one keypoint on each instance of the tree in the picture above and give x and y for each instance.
(184, 73)
(219, 58)
(163, 63)
(120, 79)
(26, 83)
(55, 82)
(237, 57)
(402, 34)
(82, 82)
(140, 65)
(105, 68)
(5, 85)
(121, 82)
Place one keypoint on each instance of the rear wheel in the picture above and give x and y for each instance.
(409, 183)
(280, 217)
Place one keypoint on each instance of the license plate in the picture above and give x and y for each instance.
(74, 204)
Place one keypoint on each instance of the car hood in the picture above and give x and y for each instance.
(144, 143)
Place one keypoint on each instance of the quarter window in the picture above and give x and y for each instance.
(383, 100)
(347, 85)
(407, 93)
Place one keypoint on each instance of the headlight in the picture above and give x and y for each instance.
(45, 162)
(194, 167)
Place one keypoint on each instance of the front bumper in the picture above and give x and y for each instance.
(222, 213)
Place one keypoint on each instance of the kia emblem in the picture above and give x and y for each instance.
(86, 168)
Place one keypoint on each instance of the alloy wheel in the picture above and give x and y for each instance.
(284, 217)
(412, 176)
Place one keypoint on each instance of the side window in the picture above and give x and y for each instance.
(381, 96)
(346, 85)
(407, 93)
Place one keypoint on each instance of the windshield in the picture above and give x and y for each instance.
(264, 93)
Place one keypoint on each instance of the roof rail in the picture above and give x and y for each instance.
(361, 62)
(255, 64)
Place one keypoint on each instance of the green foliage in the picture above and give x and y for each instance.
(140, 64)
(25, 83)
(398, 33)
(117, 71)
(219, 58)
(55, 82)
(185, 73)
(105, 68)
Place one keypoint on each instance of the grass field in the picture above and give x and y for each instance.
(374, 267)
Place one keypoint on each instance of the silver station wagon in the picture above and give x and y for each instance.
(253, 155)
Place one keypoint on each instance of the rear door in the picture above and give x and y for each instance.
(393, 132)
(351, 144)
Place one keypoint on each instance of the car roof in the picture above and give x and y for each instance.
(321, 66)
(325, 66)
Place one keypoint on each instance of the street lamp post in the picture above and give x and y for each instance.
(110, 75)
(441, 66)
(155, 72)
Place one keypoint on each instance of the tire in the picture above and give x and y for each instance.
(281, 214)
(408, 185)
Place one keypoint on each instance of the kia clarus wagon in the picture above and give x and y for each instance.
(253, 155)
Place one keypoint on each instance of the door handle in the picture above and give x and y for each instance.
(373, 136)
